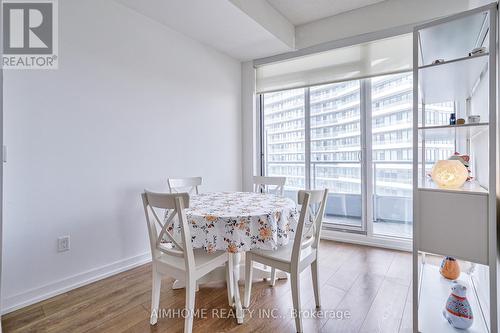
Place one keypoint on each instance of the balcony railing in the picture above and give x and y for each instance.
(393, 204)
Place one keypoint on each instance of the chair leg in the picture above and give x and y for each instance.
(155, 296)
(190, 297)
(295, 284)
(272, 282)
(316, 286)
(229, 282)
(248, 280)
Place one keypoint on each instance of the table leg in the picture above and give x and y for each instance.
(179, 284)
(264, 272)
(230, 281)
(236, 258)
(219, 274)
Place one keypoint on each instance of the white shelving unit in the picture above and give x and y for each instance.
(459, 223)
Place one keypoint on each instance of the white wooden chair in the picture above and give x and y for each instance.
(274, 185)
(189, 185)
(179, 261)
(297, 256)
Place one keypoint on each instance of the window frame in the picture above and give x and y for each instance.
(366, 158)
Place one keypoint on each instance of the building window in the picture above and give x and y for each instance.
(335, 144)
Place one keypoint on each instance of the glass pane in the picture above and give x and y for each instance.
(442, 148)
(336, 150)
(284, 145)
(392, 105)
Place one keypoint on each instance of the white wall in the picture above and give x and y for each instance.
(131, 103)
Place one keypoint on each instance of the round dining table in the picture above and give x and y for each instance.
(237, 222)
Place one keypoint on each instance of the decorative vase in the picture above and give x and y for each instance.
(450, 268)
(458, 311)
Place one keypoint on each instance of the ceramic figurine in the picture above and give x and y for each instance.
(450, 268)
(458, 311)
(465, 159)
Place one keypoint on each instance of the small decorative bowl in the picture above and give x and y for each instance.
(474, 119)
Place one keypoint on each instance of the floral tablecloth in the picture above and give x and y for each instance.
(241, 221)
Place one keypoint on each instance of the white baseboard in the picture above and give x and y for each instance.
(35, 295)
(376, 241)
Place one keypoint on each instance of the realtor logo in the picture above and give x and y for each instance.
(29, 34)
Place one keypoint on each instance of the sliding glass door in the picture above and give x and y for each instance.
(391, 143)
(352, 137)
(283, 138)
(335, 127)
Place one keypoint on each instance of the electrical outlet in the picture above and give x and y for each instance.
(63, 244)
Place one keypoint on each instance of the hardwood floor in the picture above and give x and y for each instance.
(370, 287)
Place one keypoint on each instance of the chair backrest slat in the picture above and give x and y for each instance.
(164, 230)
(274, 185)
(316, 212)
(186, 235)
(189, 185)
(174, 204)
(297, 242)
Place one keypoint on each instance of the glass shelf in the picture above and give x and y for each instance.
(446, 62)
(451, 80)
(451, 39)
(444, 132)
(469, 187)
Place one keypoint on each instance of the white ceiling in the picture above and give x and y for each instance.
(217, 23)
(304, 11)
(242, 29)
